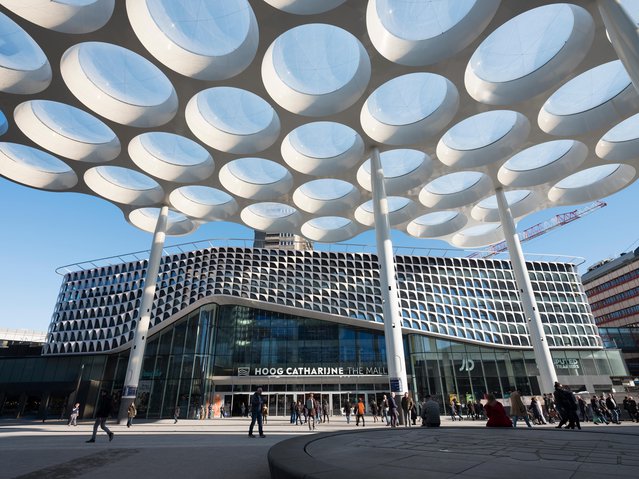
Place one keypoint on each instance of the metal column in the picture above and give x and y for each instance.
(390, 302)
(134, 367)
(527, 297)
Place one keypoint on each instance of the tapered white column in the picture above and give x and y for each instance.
(623, 34)
(543, 357)
(136, 356)
(390, 301)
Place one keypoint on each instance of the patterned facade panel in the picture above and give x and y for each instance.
(471, 299)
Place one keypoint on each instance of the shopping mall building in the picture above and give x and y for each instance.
(226, 320)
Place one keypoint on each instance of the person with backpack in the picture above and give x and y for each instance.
(131, 413)
(347, 411)
(256, 412)
(311, 406)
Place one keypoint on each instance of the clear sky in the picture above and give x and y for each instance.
(41, 231)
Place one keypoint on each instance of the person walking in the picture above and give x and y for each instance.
(75, 412)
(176, 414)
(360, 411)
(293, 409)
(347, 411)
(374, 410)
(407, 405)
(384, 407)
(430, 412)
(256, 412)
(612, 406)
(311, 406)
(517, 408)
(392, 409)
(105, 406)
(299, 410)
(325, 417)
(131, 413)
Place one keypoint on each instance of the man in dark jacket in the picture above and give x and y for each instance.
(392, 410)
(102, 414)
(256, 412)
(611, 404)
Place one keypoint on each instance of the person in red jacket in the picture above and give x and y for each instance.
(496, 413)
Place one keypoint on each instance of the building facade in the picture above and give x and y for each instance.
(226, 320)
(612, 288)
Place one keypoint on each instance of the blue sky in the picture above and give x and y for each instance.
(41, 231)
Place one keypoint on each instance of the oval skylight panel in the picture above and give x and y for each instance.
(409, 109)
(322, 148)
(204, 203)
(316, 69)
(543, 163)
(455, 189)
(269, 216)
(305, 7)
(521, 202)
(119, 84)
(146, 219)
(480, 235)
(212, 40)
(256, 178)
(67, 131)
(326, 196)
(592, 100)
(124, 185)
(65, 16)
(436, 224)
(171, 157)
(485, 138)
(400, 210)
(404, 169)
(35, 168)
(529, 54)
(421, 33)
(592, 183)
(620, 143)
(232, 120)
(24, 68)
(329, 229)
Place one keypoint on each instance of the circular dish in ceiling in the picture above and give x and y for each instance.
(256, 179)
(123, 185)
(404, 170)
(171, 157)
(482, 139)
(64, 16)
(322, 148)
(204, 203)
(409, 109)
(35, 168)
(400, 210)
(326, 197)
(329, 229)
(529, 54)
(305, 7)
(455, 190)
(521, 202)
(212, 40)
(24, 68)
(232, 120)
(477, 236)
(620, 143)
(592, 183)
(271, 217)
(423, 33)
(436, 224)
(177, 224)
(543, 163)
(67, 131)
(316, 69)
(119, 84)
(593, 100)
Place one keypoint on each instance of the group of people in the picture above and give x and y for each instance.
(474, 410)
(310, 411)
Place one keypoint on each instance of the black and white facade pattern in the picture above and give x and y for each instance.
(469, 299)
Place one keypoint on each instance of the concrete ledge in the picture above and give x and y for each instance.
(458, 452)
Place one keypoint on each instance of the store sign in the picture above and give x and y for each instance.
(566, 363)
(316, 371)
(467, 365)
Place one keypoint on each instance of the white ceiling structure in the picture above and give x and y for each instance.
(263, 112)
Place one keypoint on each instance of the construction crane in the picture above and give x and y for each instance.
(541, 228)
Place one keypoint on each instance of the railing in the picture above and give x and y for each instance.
(303, 245)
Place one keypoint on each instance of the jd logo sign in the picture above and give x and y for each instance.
(467, 365)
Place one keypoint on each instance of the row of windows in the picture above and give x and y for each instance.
(616, 298)
(622, 313)
(624, 278)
